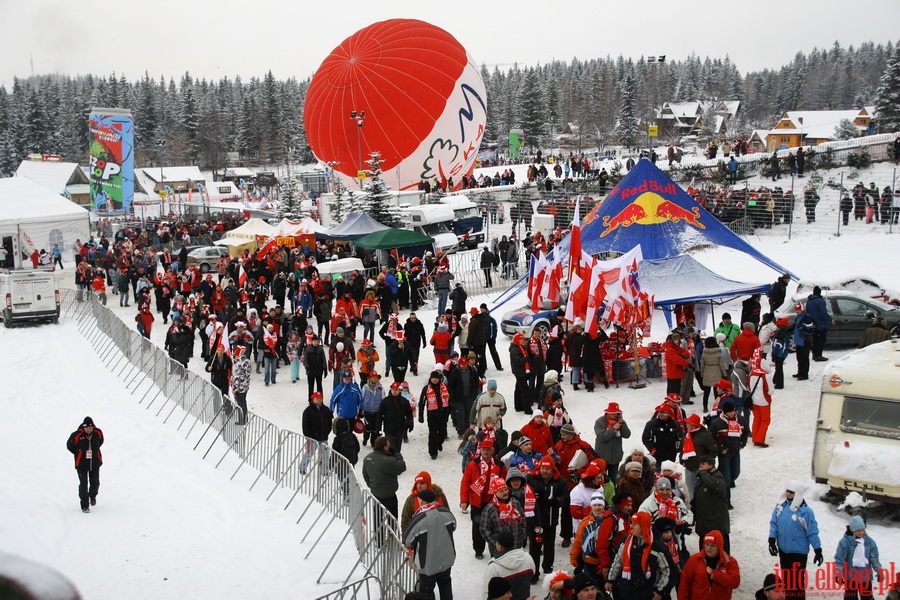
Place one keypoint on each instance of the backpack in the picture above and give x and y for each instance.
(589, 540)
(780, 344)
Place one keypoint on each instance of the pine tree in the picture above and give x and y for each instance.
(708, 124)
(288, 205)
(532, 110)
(845, 130)
(339, 205)
(887, 98)
(377, 200)
(627, 127)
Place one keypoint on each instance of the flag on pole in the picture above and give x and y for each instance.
(242, 277)
(537, 281)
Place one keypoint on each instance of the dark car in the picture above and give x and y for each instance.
(852, 315)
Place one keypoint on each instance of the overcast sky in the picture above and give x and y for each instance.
(220, 38)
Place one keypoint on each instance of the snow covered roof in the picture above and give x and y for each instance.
(173, 174)
(731, 106)
(814, 124)
(680, 110)
(54, 176)
(239, 172)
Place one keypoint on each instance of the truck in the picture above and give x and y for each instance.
(468, 222)
(858, 428)
(29, 295)
(434, 220)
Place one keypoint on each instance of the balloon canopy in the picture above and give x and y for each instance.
(406, 89)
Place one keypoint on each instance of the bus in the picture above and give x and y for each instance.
(468, 222)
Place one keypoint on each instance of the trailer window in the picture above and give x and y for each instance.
(866, 416)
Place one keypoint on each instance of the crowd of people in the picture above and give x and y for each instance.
(624, 520)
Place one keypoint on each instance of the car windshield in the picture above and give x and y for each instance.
(434, 229)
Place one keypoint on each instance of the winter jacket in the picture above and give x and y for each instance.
(463, 385)
(478, 331)
(874, 335)
(316, 422)
(412, 504)
(415, 333)
(712, 366)
(651, 505)
(608, 444)
(399, 355)
(710, 503)
(442, 280)
(817, 309)
(743, 345)
(662, 438)
(638, 587)
(429, 534)
(345, 441)
(468, 493)
(794, 527)
(730, 330)
(614, 526)
(696, 584)
(540, 436)
(380, 472)
(80, 443)
(704, 445)
(677, 360)
(519, 360)
(719, 430)
(372, 397)
(574, 346)
(492, 525)
(488, 406)
(346, 400)
(394, 415)
(843, 556)
(219, 371)
(517, 567)
(551, 494)
(314, 360)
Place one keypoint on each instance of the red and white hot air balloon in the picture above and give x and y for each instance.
(406, 89)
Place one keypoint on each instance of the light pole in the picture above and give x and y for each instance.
(359, 117)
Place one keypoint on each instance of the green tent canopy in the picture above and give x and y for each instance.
(393, 238)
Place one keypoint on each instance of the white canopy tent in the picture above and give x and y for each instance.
(34, 218)
(244, 237)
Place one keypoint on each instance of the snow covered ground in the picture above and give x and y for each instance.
(169, 525)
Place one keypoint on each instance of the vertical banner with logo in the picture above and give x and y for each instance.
(112, 159)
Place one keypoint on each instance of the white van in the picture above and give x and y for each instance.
(29, 295)
(433, 220)
(858, 433)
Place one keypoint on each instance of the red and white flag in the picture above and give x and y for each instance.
(537, 281)
(242, 277)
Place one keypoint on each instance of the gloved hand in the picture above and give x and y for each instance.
(421, 419)
(818, 559)
(410, 428)
(773, 547)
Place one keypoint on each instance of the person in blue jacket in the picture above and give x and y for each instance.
(855, 560)
(346, 399)
(792, 530)
(817, 309)
(804, 332)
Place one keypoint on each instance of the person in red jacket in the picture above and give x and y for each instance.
(565, 450)
(677, 360)
(744, 344)
(616, 524)
(144, 320)
(538, 432)
(440, 339)
(711, 574)
(475, 489)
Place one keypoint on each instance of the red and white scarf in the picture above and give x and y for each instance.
(487, 471)
(431, 397)
(557, 419)
(734, 428)
(427, 506)
(645, 556)
(507, 513)
(530, 501)
(688, 450)
(667, 508)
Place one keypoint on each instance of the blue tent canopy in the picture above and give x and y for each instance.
(355, 226)
(650, 210)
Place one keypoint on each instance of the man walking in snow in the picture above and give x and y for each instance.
(85, 445)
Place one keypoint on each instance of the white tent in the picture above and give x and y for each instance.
(32, 217)
(305, 226)
(244, 237)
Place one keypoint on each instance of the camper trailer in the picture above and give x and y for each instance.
(858, 430)
(433, 220)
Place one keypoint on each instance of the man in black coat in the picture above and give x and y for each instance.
(477, 340)
(85, 444)
(491, 337)
(552, 493)
(179, 340)
(316, 419)
(463, 386)
(398, 352)
(662, 434)
(414, 332)
(778, 292)
(395, 417)
(487, 265)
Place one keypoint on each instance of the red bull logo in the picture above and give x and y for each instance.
(649, 208)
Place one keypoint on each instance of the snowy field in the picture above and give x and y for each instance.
(169, 525)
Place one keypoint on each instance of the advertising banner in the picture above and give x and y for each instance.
(112, 160)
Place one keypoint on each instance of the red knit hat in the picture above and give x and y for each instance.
(498, 484)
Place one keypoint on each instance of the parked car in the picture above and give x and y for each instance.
(861, 285)
(524, 320)
(205, 258)
(852, 315)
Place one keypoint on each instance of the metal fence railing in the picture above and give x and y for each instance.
(334, 498)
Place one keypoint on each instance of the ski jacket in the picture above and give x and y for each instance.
(80, 444)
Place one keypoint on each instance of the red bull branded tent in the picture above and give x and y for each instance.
(650, 210)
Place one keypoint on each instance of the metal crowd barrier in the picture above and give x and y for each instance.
(334, 498)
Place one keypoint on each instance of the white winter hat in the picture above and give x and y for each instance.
(339, 346)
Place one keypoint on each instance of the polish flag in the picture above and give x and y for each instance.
(242, 277)
(538, 281)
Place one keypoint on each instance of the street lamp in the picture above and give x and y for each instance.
(359, 117)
